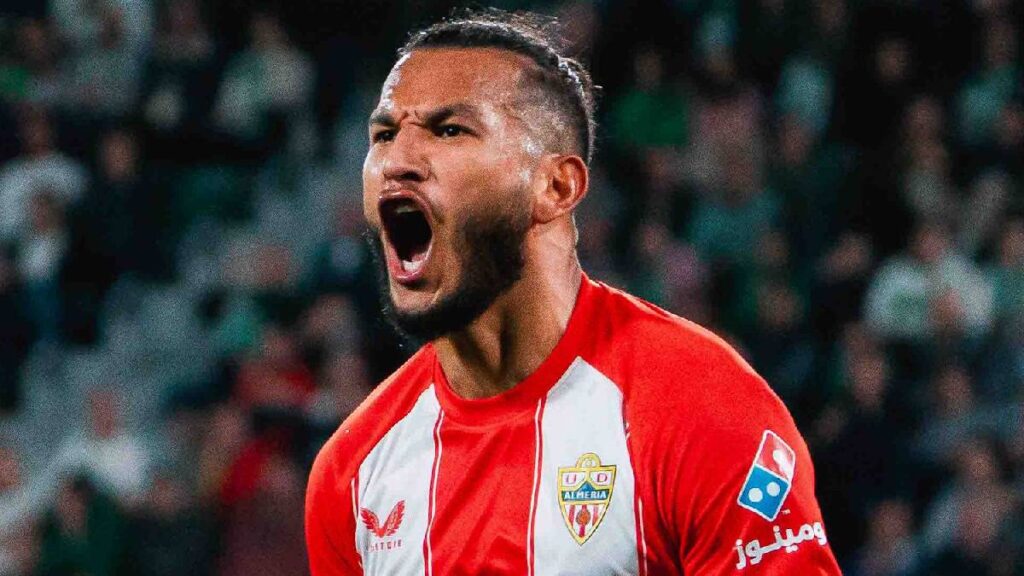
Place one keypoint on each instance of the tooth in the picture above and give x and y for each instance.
(405, 209)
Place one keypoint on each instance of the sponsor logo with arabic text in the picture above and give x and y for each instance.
(770, 477)
(753, 552)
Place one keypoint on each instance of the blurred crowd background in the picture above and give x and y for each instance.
(187, 307)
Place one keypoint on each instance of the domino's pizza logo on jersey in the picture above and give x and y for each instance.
(770, 477)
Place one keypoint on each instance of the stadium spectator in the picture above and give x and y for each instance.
(728, 222)
(779, 341)
(40, 166)
(728, 106)
(104, 75)
(10, 470)
(39, 79)
(928, 188)
(42, 251)
(169, 534)
(805, 93)
(336, 262)
(1008, 149)
(992, 85)
(18, 538)
(112, 458)
(811, 177)
(329, 325)
(263, 534)
(913, 293)
(177, 81)
(861, 455)
(838, 285)
(654, 112)
(82, 24)
(82, 534)
(271, 76)
(967, 527)
(977, 471)
(647, 276)
(1007, 273)
(276, 377)
(344, 382)
(890, 549)
(128, 204)
(878, 86)
(983, 210)
(226, 432)
(16, 334)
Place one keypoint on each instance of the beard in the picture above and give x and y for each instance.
(491, 260)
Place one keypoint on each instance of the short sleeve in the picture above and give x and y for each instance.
(330, 523)
(744, 492)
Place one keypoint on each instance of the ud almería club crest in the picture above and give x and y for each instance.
(584, 493)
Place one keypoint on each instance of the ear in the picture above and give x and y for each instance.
(562, 186)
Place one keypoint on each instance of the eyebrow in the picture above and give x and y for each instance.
(430, 117)
(382, 117)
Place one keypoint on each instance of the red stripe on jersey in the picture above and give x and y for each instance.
(432, 497)
(538, 451)
(483, 491)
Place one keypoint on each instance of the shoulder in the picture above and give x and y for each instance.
(666, 364)
(392, 400)
(644, 325)
(688, 396)
(329, 532)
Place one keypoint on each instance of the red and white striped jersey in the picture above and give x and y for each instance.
(642, 445)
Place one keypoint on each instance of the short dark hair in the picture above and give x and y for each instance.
(563, 81)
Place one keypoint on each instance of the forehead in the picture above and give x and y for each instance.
(429, 77)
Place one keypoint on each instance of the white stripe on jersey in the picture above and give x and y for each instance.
(432, 511)
(643, 538)
(399, 469)
(583, 413)
(534, 487)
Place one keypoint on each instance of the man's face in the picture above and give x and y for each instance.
(446, 185)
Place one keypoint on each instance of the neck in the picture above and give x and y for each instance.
(513, 337)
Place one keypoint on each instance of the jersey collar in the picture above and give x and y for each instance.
(524, 396)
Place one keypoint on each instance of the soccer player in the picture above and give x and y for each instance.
(551, 424)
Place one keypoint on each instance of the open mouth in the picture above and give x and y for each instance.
(408, 232)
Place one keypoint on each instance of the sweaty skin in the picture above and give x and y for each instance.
(475, 161)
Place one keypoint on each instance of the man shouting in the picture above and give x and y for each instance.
(550, 424)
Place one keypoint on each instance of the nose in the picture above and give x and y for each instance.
(404, 160)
